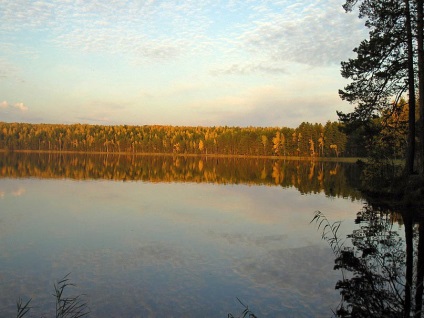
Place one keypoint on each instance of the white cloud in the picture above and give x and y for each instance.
(173, 41)
(243, 69)
(311, 32)
(21, 107)
(148, 30)
(17, 106)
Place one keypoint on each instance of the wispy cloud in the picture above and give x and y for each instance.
(4, 104)
(215, 43)
(148, 30)
(309, 31)
(243, 69)
(21, 107)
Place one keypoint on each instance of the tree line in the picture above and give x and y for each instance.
(307, 140)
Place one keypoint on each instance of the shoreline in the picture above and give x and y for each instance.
(140, 154)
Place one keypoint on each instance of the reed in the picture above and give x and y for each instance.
(66, 306)
(246, 312)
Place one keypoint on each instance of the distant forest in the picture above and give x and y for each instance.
(307, 140)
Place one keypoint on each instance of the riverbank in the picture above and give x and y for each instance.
(122, 153)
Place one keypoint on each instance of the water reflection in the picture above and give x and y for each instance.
(181, 243)
(332, 178)
(382, 268)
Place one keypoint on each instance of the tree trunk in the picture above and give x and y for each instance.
(421, 78)
(410, 152)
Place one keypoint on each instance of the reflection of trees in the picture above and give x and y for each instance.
(377, 263)
(379, 275)
(334, 179)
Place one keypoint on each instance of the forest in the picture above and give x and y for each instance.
(307, 140)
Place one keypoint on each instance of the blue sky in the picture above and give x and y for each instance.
(192, 62)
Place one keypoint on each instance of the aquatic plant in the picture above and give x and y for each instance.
(246, 312)
(66, 306)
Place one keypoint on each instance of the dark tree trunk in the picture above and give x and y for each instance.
(410, 153)
(420, 31)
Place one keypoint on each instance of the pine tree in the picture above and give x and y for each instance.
(384, 66)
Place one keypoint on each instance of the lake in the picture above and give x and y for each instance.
(146, 236)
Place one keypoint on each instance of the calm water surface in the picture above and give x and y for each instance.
(156, 246)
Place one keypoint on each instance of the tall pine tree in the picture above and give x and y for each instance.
(385, 66)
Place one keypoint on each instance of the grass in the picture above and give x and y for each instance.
(76, 307)
(246, 312)
(66, 306)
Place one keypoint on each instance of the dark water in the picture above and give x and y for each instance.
(172, 236)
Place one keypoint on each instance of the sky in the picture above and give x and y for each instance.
(241, 63)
